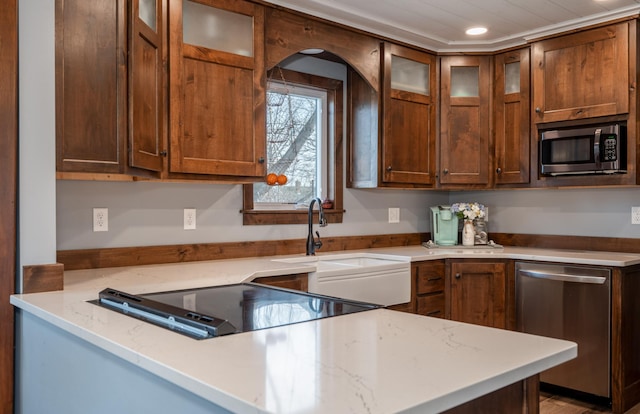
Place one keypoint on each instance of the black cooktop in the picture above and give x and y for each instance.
(221, 310)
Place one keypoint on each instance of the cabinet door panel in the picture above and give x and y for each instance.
(146, 98)
(90, 86)
(217, 100)
(582, 75)
(478, 293)
(511, 112)
(464, 120)
(408, 141)
(412, 163)
(209, 145)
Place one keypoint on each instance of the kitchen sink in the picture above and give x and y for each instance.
(380, 279)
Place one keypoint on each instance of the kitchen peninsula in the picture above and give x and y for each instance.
(378, 361)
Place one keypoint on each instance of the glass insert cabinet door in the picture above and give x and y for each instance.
(409, 75)
(512, 77)
(216, 71)
(217, 29)
(147, 12)
(465, 81)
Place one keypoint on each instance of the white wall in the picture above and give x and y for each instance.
(145, 213)
(600, 212)
(37, 180)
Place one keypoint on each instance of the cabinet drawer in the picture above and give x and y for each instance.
(296, 282)
(431, 305)
(430, 277)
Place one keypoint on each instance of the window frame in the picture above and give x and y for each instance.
(335, 156)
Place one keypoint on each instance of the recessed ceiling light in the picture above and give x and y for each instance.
(474, 31)
(312, 51)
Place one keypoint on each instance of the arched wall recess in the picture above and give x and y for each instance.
(287, 34)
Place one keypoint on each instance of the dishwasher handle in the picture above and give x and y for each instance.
(563, 277)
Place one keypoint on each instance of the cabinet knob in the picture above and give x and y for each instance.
(457, 276)
(261, 160)
(445, 171)
(389, 168)
(538, 110)
(163, 153)
(499, 170)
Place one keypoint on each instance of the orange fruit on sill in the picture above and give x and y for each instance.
(272, 179)
(282, 179)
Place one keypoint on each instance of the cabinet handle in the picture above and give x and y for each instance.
(389, 168)
(499, 170)
(445, 171)
(433, 279)
(538, 110)
(457, 276)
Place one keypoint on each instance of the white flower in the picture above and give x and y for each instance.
(468, 211)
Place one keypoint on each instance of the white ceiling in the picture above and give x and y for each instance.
(440, 25)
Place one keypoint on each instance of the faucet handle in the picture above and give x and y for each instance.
(317, 243)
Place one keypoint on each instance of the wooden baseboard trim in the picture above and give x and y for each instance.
(145, 255)
(42, 278)
(136, 256)
(546, 241)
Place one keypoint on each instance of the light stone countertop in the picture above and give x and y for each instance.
(378, 361)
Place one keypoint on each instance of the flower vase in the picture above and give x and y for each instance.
(468, 233)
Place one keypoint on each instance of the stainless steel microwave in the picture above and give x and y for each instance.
(596, 149)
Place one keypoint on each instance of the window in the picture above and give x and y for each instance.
(296, 147)
(304, 152)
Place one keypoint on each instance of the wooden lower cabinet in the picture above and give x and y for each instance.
(427, 289)
(480, 292)
(296, 282)
(520, 397)
(625, 338)
(429, 277)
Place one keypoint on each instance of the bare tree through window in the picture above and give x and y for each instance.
(294, 144)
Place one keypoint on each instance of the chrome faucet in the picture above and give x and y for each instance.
(312, 243)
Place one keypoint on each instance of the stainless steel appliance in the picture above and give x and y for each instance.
(572, 303)
(222, 310)
(586, 150)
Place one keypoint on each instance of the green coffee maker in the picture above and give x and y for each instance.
(444, 226)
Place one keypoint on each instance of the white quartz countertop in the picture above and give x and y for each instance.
(378, 361)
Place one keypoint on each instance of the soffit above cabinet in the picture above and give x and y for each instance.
(440, 25)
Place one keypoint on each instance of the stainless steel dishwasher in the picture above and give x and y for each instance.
(573, 303)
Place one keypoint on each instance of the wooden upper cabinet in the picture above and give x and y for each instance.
(582, 75)
(511, 117)
(477, 292)
(146, 80)
(91, 72)
(409, 116)
(464, 120)
(217, 78)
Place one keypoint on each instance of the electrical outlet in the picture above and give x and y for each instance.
(635, 215)
(100, 219)
(394, 215)
(189, 218)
